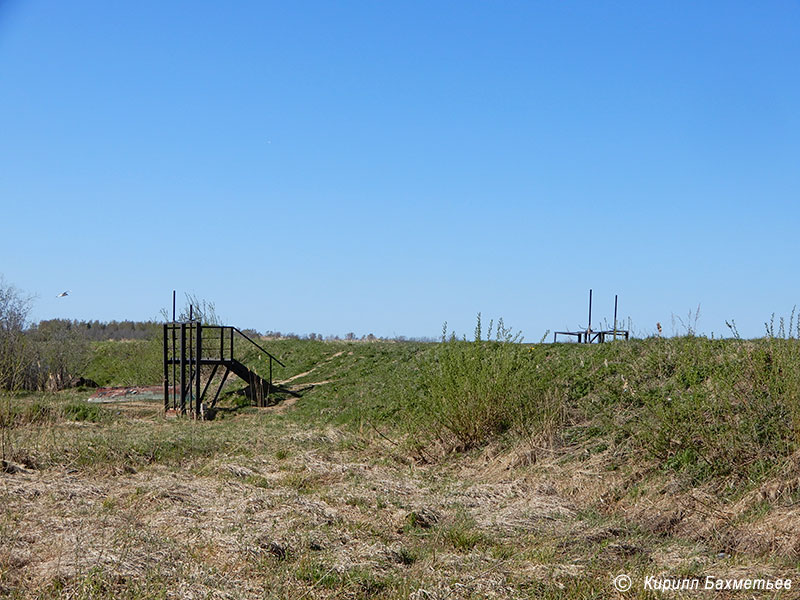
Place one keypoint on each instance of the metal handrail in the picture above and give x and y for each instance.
(174, 324)
(256, 344)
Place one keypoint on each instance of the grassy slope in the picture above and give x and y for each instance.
(402, 472)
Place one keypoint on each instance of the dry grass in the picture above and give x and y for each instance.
(261, 506)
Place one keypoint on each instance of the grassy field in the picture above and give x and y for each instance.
(481, 469)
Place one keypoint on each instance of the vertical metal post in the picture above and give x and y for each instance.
(615, 316)
(183, 368)
(269, 389)
(231, 343)
(222, 343)
(166, 371)
(191, 356)
(589, 328)
(174, 399)
(174, 367)
(197, 370)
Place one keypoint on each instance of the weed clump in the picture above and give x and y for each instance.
(472, 391)
(82, 411)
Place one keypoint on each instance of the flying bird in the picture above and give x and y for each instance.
(62, 294)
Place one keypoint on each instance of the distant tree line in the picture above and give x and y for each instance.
(52, 354)
(97, 331)
(348, 337)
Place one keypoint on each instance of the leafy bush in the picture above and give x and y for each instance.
(702, 407)
(471, 391)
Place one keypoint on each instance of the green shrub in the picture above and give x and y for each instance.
(702, 407)
(471, 391)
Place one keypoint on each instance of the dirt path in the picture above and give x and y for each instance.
(303, 374)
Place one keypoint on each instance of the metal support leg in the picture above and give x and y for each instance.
(208, 383)
(183, 368)
(219, 389)
(199, 353)
(166, 372)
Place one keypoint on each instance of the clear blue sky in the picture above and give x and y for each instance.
(383, 167)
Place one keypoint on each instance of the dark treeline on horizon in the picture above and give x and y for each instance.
(100, 330)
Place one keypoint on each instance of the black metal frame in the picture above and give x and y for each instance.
(589, 336)
(190, 356)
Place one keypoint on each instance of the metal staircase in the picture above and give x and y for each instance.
(194, 352)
